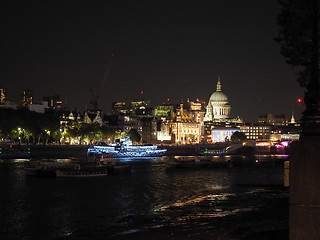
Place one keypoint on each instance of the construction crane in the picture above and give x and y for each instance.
(94, 100)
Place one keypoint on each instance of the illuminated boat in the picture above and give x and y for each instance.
(125, 149)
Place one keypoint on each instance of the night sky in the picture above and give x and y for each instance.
(168, 49)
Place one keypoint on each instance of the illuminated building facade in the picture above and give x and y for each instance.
(284, 137)
(195, 106)
(256, 132)
(293, 120)
(69, 119)
(26, 98)
(164, 131)
(119, 108)
(141, 108)
(197, 112)
(126, 123)
(184, 127)
(218, 107)
(89, 117)
(149, 130)
(71, 116)
(86, 118)
(144, 111)
(2, 96)
(273, 119)
(98, 119)
(137, 105)
(288, 132)
(222, 134)
(163, 110)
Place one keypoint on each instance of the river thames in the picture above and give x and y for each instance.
(246, 201)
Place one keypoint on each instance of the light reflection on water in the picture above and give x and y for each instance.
(14, 160)
(150, 197)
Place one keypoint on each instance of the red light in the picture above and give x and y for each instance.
(141, 92)
(168, 99)
(299, 100)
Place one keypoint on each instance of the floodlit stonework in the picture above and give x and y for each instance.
(218, 107)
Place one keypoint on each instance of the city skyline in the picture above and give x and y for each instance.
(165, 49)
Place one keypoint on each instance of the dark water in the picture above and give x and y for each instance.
(147, 199)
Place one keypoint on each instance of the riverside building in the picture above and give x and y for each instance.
(184, 127)
(256, 132)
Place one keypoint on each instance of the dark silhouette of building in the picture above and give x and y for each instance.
(54, 102)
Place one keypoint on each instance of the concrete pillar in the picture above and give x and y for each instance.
(304, 214)
(286, 174)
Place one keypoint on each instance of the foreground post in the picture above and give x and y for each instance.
(305, 156)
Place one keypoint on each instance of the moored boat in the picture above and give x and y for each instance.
(47, 168)
(95, 165)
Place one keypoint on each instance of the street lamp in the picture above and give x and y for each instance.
(19, 135)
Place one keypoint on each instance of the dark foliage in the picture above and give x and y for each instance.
(238, 137)
(295, 36)
(34, 125)
(134, 135)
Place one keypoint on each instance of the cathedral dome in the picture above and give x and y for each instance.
(218, 97)
(218, 107)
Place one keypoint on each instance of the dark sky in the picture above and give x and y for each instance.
(168, 49)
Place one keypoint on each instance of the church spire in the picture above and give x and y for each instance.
(218, 85)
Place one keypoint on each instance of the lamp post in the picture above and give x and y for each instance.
(19, 135)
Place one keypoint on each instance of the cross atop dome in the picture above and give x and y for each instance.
(218, 85)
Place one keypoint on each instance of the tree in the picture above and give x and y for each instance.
(238, 137)
(295, 36)
(32, 125)
(123, 135)
(107, 132)
(134, 135)
(299, 42)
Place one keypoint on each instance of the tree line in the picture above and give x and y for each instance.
(28, 127)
